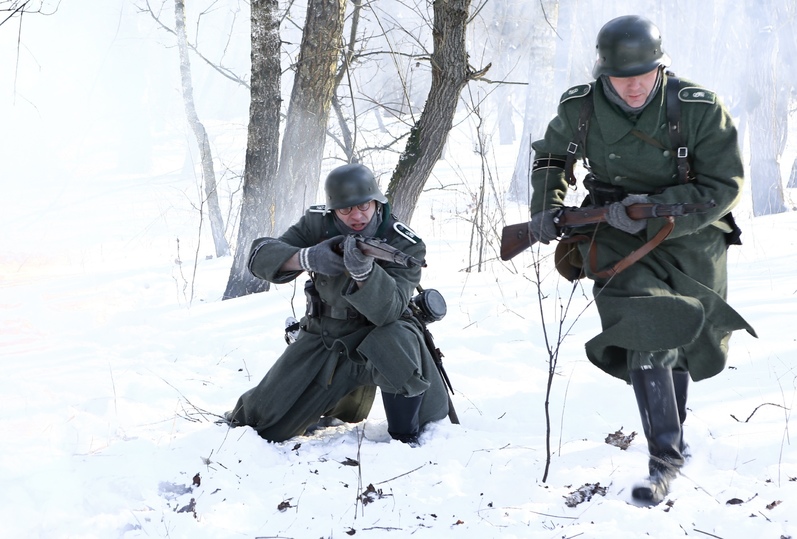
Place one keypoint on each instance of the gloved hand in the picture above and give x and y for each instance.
(619, 219)
(542, 226)
(321, 258)
(357, 263)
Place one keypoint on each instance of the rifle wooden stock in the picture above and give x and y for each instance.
(517, 238)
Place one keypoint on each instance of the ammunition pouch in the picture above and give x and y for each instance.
(315, 307)
(601, 193)
(313, 300)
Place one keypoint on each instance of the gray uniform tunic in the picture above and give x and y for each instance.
(674, 297)
(365, 341)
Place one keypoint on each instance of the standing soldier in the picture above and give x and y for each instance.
(646, 136)
(357, 333)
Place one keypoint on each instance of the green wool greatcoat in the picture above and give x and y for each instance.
(675, 296)
(335, 364)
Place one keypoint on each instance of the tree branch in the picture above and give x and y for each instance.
(225, 72)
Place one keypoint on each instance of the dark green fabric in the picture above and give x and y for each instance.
(355, 406)
(333, 358)
(674, 297)
(620, 158)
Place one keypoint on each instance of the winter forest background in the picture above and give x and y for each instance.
(120, 104)
(133, 177)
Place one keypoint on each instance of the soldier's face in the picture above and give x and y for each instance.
(634, 90)
(355, 217)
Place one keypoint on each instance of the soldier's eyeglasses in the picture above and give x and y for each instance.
(364, 207)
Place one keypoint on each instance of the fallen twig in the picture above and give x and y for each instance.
(756, 409)
(706, 533)
(401, 475)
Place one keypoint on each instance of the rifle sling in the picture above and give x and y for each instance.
(633, 257)
(650, 140)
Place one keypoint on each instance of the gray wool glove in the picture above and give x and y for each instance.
(617, 216)
(357, 263)
(322, 258)
(542, 226)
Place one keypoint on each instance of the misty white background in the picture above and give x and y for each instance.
(116, 350)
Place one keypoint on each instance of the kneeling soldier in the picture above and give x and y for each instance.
(357, 333)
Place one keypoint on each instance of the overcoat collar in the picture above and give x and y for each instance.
(614, 124)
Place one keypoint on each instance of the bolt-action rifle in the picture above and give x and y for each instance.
(517, 238)
(381, 250)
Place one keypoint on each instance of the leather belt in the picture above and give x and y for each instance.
(340, 313)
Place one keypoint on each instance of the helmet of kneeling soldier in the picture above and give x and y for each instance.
(350, 185)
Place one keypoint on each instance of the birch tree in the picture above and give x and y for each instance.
(206, 155)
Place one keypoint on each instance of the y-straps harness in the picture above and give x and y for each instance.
(673, 107)
(587, 107)
(674, 123)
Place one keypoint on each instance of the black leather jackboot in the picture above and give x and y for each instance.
(655, 395)
(403, 423)
(680, 380)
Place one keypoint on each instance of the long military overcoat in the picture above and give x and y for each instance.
(675, 296)
(335, 364)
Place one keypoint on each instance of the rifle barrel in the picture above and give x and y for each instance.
(384, 251)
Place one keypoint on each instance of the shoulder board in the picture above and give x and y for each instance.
(693, 94)
(407, 232)
(576, 91)
(318, 208)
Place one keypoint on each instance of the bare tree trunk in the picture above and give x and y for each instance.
(788, 53)
(306, 123)
(206, 156)
(541, 97)
(427, 138)
(768, 114)
(259, 205)
(349, 138)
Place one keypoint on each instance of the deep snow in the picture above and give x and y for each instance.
(113, 379)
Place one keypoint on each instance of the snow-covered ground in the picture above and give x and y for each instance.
(118, 355)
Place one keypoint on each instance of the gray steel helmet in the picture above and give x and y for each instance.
(350, 185)
(628, 46)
